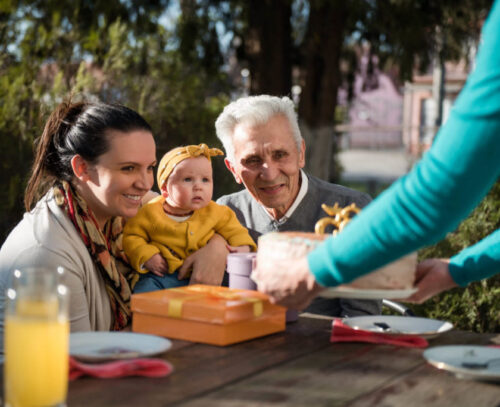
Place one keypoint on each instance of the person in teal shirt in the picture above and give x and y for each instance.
(421, 207)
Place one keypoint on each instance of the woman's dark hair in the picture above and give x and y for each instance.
(75, 128)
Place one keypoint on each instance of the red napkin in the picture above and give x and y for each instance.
(344, 333)
(121, 368)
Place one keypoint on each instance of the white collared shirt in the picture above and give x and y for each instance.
(302, 193)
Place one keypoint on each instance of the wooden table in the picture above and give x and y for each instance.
(298, 367)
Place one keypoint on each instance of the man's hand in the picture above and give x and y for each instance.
(288, 282)
(157, 265)
(207, 264)
(432, 277)
(238, 249)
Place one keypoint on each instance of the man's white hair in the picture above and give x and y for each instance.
(254, 111)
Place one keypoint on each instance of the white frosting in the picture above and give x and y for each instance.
(288, 245)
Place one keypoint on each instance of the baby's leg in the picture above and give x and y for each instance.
(151, 282)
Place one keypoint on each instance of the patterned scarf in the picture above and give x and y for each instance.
(105, 248)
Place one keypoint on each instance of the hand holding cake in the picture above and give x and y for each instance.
(283, 271)
(288, 282)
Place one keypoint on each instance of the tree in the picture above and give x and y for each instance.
(112, 51)
(269, 29)
(321, 50)
(176, 75)
(401, 32)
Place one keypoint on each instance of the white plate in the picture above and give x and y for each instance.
(399, 325)
(346, 292)
(100, 346)
(457, 358)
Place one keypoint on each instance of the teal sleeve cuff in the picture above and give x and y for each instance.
(457, 275)
(477, 262)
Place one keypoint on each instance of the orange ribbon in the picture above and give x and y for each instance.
(204, 291)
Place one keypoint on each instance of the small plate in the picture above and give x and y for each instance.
(346, 292)
(101, 346)
(458, 358)
(399, 325)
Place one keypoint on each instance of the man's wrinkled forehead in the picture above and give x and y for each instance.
(253, 123)
(255, 146)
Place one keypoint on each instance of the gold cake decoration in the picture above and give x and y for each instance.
(338, 217)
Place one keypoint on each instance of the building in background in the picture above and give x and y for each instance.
(420, 110)
(375, 112)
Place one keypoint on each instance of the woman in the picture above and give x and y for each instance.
(93, 165)
(420, 208)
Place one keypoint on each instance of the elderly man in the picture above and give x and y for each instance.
(266, 153)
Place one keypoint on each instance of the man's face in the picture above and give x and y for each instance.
(268, 162)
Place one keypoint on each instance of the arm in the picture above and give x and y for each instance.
(147, 238)
(207, 264)
(477, 262)
(473, 263)
(232, 230)
(439, 192)
(136, 242)
(44, 258)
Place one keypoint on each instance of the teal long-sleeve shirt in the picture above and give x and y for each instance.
(439, 192)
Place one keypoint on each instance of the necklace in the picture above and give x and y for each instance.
(176, 214)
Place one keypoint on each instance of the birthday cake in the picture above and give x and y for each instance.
(275, 246)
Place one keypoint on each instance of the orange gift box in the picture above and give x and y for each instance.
(207, 314)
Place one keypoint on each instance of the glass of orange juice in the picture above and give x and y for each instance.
(36, 339)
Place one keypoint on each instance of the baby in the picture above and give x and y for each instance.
(182, 220)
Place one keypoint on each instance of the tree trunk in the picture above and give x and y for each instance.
(321, 78)
(319, 149)
(268, 47)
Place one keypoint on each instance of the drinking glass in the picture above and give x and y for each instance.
(36, 339)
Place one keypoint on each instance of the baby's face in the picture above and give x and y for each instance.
(189, 186)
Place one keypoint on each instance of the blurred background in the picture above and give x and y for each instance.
(373, 80)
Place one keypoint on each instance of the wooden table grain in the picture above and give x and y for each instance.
(298, 367)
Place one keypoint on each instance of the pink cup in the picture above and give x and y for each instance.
(239, 268)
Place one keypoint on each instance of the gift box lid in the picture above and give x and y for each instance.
(204, 303)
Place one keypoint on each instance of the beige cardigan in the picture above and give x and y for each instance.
(46, 238)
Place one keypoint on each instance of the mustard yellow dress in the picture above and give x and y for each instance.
(151, 231)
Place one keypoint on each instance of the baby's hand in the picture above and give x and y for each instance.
(238, 249)
(157, 265)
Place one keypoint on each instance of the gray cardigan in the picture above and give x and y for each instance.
(254, 217)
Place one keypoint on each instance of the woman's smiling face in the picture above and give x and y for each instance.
(121, 177)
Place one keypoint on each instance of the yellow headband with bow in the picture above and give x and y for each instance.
(175, 156)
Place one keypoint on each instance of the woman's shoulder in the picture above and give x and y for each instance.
(44, 235)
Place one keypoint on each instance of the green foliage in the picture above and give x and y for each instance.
(111, 51)
(407, 33)
(476, 307)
